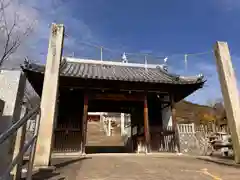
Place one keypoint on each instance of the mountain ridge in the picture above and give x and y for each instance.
(188, 112)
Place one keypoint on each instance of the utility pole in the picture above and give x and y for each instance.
(101, 53)
(230, 93)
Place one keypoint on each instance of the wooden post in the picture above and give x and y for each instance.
(230, 93)
(146, 124)
(84, 120)
(175, 128)
(49, 96)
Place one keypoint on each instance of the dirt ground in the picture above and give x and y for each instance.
(142, 167)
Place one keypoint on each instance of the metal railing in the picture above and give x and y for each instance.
(17, 161)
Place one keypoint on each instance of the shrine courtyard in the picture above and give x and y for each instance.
(133, 167)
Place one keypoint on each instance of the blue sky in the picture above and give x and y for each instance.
(162, 28)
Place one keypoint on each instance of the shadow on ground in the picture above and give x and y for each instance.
(57, 163)
(105, 149)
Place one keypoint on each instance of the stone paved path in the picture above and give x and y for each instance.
(141, 167)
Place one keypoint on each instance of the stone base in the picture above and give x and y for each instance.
(45, 168)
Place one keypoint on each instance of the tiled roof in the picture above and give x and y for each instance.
(116, 71)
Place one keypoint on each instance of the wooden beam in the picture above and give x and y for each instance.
(230, 93)
(84, 123)
(117, 96)
(183, 90)
(146, 124)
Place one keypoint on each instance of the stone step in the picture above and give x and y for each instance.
(110, 139)
(105, 139)
(97, 137)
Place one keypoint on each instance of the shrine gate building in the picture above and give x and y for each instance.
(146, 91)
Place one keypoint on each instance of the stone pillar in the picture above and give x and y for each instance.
(49, 96)
(109, 126)
(230, 93)
(12, 85)
(146, 124)
(122, 124)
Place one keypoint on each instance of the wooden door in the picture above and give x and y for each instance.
(68, 128)
(67, 136)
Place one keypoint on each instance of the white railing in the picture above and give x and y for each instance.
(186, 128)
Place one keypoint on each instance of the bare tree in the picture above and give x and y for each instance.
(11, 32)
(218, 111)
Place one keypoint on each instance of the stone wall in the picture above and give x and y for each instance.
(12, 84)
(189, 144)
(191, 141)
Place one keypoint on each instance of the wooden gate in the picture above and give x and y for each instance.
(67, 137)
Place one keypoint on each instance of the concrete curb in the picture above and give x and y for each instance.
(225, 162)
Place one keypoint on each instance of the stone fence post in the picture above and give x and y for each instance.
(1, 107)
